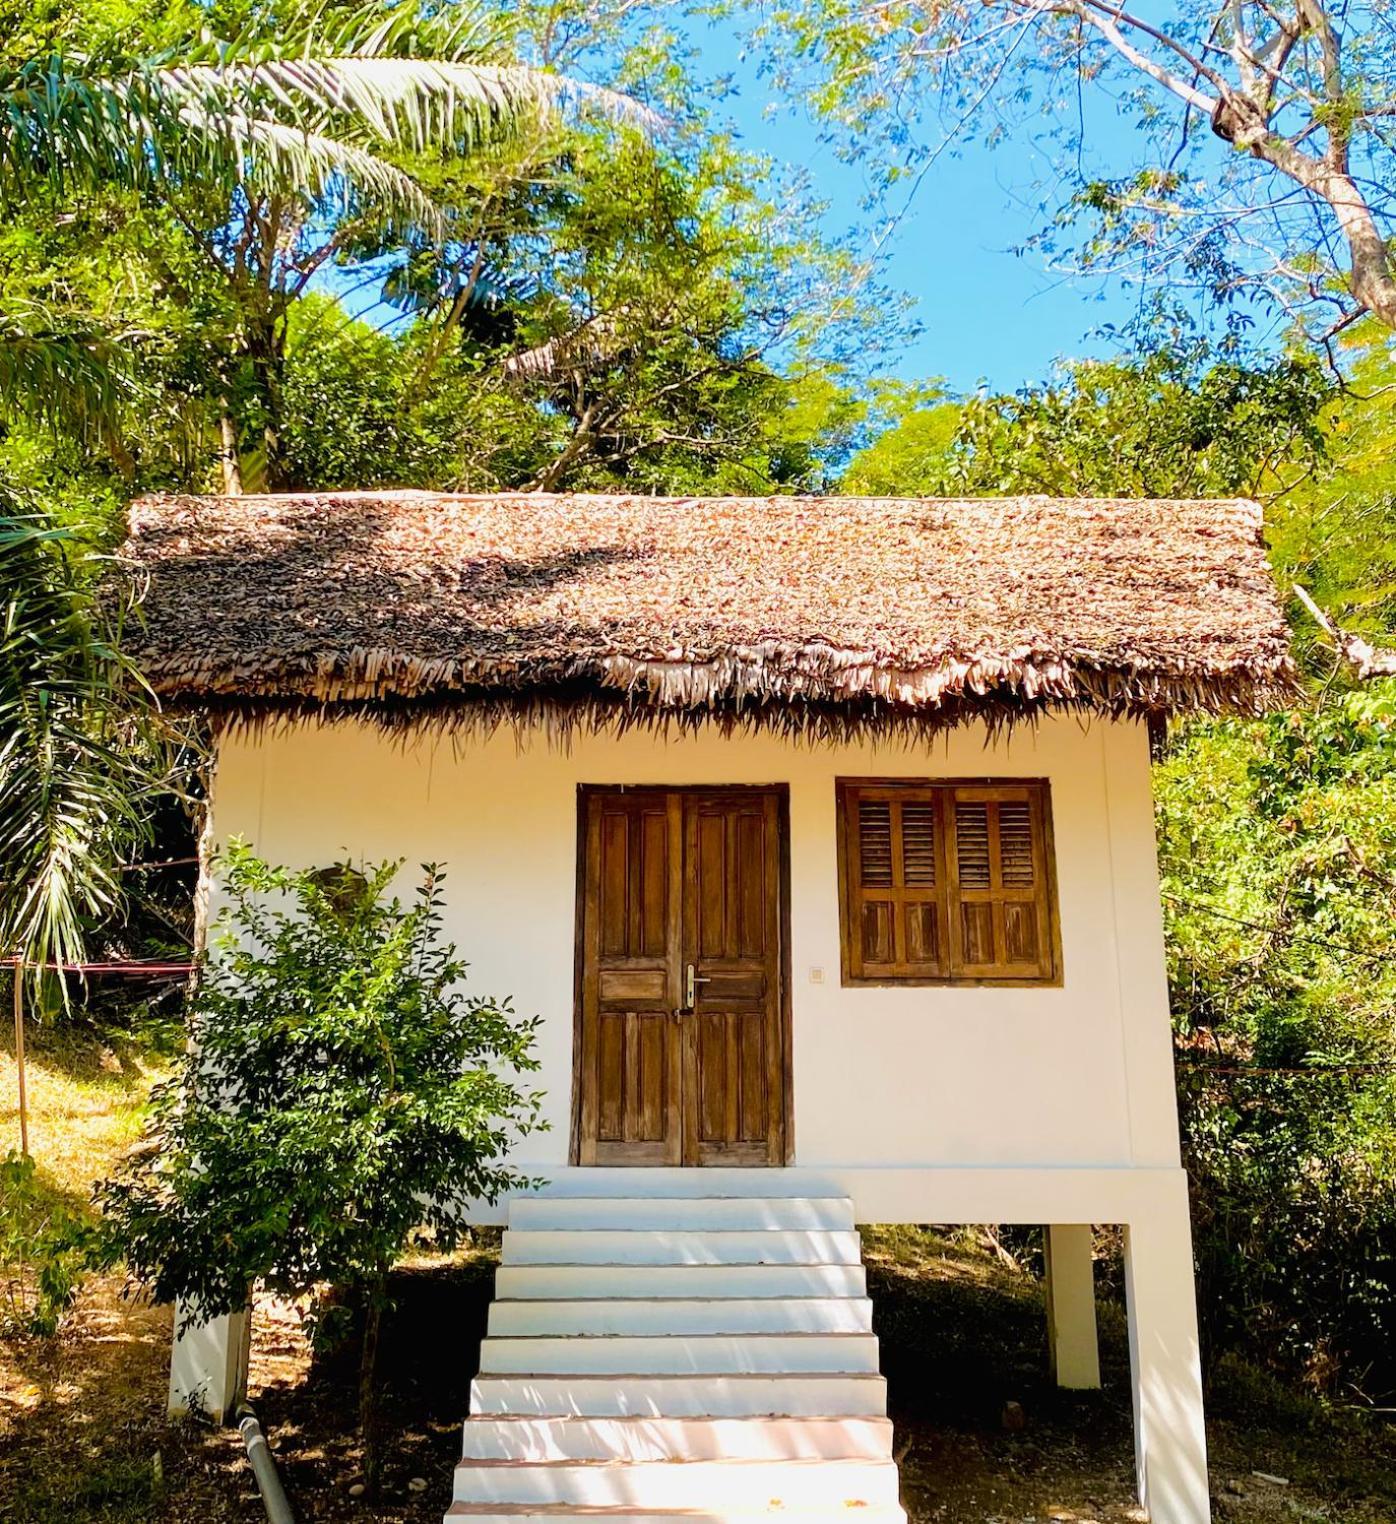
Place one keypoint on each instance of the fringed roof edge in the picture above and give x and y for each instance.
(566, 707)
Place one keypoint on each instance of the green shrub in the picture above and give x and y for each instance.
(1278, 849)
(43, 1248)
(342, 1093)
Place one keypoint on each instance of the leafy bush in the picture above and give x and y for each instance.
(43, 1245)
(1278, 850)
(342, 1094)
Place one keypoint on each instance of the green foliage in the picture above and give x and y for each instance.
(1278, 854)
(623, 317)
(1165, 424)
(260, 153)
(913, 455)
(1336, 532)
(297, 102)
(79, 742)
(43, 1246)
(344, 1092)
(378, 437)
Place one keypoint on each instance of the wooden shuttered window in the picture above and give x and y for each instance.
(943, 882)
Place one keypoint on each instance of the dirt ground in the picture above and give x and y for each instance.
(83, 1434)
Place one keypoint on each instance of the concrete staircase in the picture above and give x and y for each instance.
(701, 1353)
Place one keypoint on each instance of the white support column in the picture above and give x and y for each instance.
(208, 1365)
(1170, 1441)
(1070, 1289)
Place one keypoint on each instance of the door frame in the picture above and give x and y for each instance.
(780, 792)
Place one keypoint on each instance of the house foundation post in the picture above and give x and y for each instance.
(1170, 1441)
(1070, 1290)
(208, 1365)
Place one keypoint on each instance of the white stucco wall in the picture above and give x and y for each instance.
(1075, 1077)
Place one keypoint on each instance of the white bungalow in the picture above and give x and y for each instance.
(819, 832)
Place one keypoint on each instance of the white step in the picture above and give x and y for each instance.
(592, 1318)
(689, 1213)
(744, 1484)
(680, 1354)
(570, 1513)
(725, 1396)
(655, 1281)
(673, 1439)
(658, 1247)
(599, 1182)
(679, 1345)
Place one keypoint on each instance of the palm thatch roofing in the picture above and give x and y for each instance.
(797, 612)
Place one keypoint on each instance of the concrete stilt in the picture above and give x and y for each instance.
(208, 1368)
(1170, 1440)
(1071, 1323)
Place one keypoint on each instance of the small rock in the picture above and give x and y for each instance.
(1275, 1481)
(357, 1490)
(1013, 1418)
(417, 1484)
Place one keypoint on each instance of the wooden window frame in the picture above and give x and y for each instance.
(943, 792)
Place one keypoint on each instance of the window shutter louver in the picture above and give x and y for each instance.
(945, 882)
(894, 913)
(875, 843)
(1000, 926)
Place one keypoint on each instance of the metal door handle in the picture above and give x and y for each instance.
(692, 979)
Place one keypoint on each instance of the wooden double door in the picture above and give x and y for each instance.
(682, 1041)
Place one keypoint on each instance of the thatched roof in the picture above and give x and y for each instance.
(783, 610)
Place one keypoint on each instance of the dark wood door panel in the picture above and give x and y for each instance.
(732, 925)
(636, 1079)
(630, 1072)
(672, 880)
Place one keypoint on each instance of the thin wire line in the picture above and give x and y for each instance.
(1222, 915)
(1314, 1071)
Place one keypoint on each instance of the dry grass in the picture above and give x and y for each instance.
(86, 1094)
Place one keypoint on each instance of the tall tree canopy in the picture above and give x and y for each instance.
(1301, 92)
(268, 152)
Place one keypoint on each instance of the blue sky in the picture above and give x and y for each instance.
(987, 314)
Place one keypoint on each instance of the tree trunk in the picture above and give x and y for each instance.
(228, 454)
(368, 1386)
(263, 469)
(1370, 277)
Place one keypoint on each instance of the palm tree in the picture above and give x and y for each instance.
(285, 128)
(282, 129)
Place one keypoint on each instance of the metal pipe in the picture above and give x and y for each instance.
(263, 1467)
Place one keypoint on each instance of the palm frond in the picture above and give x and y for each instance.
(314, 161)
(73, 783)
(192, 118)
(60, 369)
